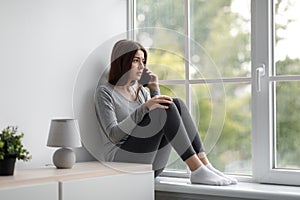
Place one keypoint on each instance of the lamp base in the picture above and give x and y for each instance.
(64, 158)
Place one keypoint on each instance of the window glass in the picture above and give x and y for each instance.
(287, 124)
(162, 14)
(166, 64)
(160, 28)
(287, 31)
(173, 90)
(287, 66)
(230, 150)
(221, 30)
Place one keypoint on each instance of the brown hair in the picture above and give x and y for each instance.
(122, 56)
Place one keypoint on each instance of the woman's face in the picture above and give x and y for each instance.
(137, 66)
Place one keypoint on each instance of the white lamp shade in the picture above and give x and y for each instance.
(64, 133)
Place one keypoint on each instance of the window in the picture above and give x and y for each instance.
(275, 129)
(287, 68)
(218, 56)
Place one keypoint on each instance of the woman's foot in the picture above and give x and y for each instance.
(203, 175)
(232, 180)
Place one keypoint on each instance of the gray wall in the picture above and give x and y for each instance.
(43, 44)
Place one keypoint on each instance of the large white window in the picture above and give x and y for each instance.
(237, 66)
(275, 98)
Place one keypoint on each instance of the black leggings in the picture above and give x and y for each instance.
(150, 141)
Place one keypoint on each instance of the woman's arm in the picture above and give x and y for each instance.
(156, 100)
(153, 83)
(107, 115)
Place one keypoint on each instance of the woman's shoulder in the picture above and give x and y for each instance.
(105, 88)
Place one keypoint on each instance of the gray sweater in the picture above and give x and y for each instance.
(118, 116)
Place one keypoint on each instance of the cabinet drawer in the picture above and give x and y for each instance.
(46, 191)
(131, 186)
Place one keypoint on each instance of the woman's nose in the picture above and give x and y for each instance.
(141, 65)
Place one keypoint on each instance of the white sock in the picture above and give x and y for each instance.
(202, 175)
(232, 180)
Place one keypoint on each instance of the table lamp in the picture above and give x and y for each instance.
(64, 133)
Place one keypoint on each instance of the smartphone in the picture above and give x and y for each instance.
(145, 78)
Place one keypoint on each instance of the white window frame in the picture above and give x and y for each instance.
(263, 131)
(263, 157)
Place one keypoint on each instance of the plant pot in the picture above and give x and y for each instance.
(7, 166)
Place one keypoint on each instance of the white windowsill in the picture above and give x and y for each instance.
(241, 190)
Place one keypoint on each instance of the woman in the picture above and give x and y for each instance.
(142, 127)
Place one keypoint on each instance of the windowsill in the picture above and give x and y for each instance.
(241, 190)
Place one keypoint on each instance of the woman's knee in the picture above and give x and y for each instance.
(178, 103)
(171, 107)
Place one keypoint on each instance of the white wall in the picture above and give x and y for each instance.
(43, 44)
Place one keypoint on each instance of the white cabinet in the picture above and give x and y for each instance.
(115, 187)
(85, 181)
(46, 191)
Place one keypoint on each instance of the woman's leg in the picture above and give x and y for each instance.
(143, 149)
(147, 143)
(162, 156)
(191, 130)
(190, 127)
(206, 162)
(144, 142)
(195, 138)
(158, 129)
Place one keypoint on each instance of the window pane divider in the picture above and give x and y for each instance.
(187, 51)
(285, 78)
(131, 10)
(206, 81)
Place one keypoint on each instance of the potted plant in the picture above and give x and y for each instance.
(11, 149)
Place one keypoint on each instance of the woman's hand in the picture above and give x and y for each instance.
(159, 101)
(153, 83)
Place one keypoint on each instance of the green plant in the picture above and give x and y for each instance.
(11, 144)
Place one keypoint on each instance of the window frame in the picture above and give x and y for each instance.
(263, 102)
(263, 142)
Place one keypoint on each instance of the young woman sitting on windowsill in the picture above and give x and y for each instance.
(142, 127)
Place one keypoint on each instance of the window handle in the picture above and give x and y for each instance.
(260, 71)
